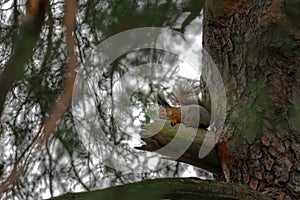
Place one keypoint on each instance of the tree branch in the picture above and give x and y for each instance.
(65, 98)
(171, 188)
(156, 140)
(23, 50)
(60, 105)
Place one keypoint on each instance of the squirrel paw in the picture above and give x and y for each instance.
(173, 122)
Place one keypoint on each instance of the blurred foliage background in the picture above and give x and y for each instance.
(65, 164)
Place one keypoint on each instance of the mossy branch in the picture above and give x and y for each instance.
(171, 188)
(160, 137)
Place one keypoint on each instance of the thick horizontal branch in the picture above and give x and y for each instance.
(171, 188)
(183, 144)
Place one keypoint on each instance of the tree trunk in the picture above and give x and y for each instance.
(256, 46)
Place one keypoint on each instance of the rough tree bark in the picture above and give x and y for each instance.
(256, 46)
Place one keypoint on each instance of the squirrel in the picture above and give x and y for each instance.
(190, 112)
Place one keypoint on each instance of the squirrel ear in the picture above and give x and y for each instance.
(159, 98)
(161, 101)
